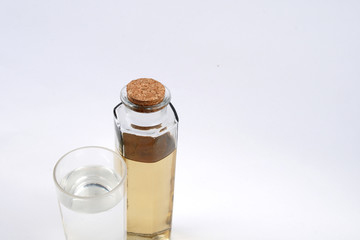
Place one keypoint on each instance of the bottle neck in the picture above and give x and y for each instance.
(145, 119)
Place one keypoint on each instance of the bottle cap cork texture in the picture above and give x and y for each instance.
(145, 91)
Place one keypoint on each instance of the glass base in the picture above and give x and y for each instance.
(163, 235)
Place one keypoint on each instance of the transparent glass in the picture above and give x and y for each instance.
(147, 139)
(91, 190)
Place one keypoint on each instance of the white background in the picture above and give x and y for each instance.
(267, 93)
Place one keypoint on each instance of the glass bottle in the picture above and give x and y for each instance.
(146, 136)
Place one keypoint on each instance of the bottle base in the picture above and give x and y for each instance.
(163, 235)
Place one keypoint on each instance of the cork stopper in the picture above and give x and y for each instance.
(145, 92)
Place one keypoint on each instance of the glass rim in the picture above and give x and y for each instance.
(121, 182)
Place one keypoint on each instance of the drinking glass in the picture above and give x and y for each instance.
(91, 191)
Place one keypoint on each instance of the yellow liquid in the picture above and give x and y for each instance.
(150, 191)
